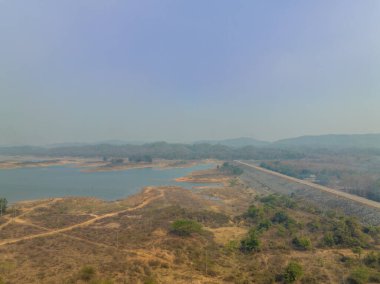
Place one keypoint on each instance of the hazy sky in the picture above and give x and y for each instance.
(93, 70)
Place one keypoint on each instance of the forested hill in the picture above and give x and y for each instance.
(330, 141)
(236, 142)
(333, 141)
(161, 150)
(240, 148)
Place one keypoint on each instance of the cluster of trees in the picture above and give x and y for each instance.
(323, 175)
(230, 169)
(286, 169)
(365, 270)
(328, 230)
(347, 232)
(269, 213)
(140, 158)
(131, 158)
(117, 161)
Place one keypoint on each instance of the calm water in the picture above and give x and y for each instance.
(36, 183)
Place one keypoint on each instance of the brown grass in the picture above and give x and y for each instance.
(129, 241)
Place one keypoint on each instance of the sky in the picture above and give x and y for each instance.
(181, 71)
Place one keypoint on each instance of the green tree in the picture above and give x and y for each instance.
(293, 272)
(3, 205)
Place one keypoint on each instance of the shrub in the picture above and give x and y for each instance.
(185, 227)
(280, 217)
(359, 276)
(328, 240)
(372, 230)
(86, 273)
(313, 226)
(270, 200)
(251, 242)
(293, 272)
(149, 280)
(264, 225)
(255, 212)
(302, 243)
(232, 245)
(372, 259)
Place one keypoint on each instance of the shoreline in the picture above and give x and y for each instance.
(90, 165)
(160, 165)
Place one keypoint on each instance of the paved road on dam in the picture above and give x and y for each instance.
(335, 192)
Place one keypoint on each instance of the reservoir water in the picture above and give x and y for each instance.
(58, 181)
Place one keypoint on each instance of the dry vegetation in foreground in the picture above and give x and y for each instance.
(221, 234)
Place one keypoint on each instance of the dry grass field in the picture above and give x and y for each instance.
(86, 240)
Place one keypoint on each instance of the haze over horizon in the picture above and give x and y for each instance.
(91, 70)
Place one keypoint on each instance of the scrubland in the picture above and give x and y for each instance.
(226, 233)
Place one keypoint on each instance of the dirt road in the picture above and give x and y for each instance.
(145, 202)
(338, 193)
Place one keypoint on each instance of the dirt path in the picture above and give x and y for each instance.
(338, 193)
(145, 202)
(27, 210)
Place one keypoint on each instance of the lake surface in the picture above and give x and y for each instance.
(37, 183)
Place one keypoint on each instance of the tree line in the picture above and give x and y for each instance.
(160, 150)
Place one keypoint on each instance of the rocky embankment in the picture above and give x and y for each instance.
(265, 182)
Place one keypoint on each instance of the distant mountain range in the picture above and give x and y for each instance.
(108, 142)
(333, 141)
(317, 141)
(228, 146)
(236, 142)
